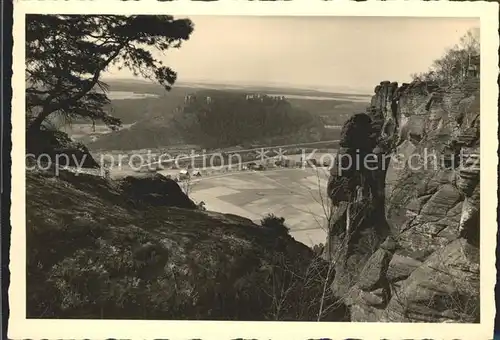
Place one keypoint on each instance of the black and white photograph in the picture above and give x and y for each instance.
(273, 168)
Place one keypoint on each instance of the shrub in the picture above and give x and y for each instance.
(274, 222)
(318, 249)
(201, 206)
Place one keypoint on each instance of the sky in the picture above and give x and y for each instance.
(314, 52)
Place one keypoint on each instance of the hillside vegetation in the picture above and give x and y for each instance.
(140, 249)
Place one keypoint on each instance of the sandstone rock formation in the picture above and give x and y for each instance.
(424, 204)
(59, 148)
(156, 190)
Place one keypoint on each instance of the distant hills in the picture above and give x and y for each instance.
(260, 86)
(165, 119)
(229, 118)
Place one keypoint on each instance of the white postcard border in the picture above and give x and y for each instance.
(20, 327)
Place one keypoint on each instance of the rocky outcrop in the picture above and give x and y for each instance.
(428, 267)
(137, 249)
(444, 287)
(156, 190)
(56, 147)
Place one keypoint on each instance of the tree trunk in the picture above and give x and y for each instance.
(348, 219)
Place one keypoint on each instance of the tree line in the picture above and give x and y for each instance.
(457, 62)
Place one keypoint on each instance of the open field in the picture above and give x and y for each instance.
(295, 194)
(86, 132)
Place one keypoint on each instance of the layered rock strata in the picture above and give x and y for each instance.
(408, 250)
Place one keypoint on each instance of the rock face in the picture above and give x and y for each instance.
(138, 249)
(424, 203)
(156, 190)
(59, 148)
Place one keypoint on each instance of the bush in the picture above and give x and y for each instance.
(274, 222)
(202, 206)
(318, 249)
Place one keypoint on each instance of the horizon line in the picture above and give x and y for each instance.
(311, 87)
